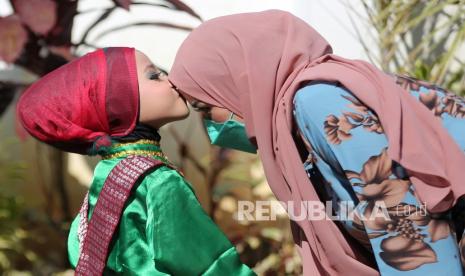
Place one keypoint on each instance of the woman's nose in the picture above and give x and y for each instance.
(172, 85)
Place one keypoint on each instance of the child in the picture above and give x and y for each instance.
(142, 216)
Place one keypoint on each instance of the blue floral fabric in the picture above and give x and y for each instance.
(346, 144)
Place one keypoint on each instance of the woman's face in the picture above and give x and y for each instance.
(217, 114)
(160, 103)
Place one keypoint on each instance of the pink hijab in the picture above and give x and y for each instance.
(253, 63)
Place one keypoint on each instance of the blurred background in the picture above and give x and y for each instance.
(41, 188)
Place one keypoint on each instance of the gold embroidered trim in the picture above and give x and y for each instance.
(138, 142)
(135, 152)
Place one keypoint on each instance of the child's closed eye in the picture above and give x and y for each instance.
(155, 75)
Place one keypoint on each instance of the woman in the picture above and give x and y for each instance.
(359, 134)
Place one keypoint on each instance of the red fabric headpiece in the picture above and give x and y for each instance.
(80, 105)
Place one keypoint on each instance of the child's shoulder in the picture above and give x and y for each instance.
(167, 179)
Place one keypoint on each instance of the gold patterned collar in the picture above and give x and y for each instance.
(143, 147)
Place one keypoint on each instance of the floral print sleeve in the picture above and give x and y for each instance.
(347, 145)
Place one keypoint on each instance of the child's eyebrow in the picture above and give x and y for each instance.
(150, 66)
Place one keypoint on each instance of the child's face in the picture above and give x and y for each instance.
(160, 103)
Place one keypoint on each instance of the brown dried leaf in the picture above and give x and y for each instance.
(13, 36)
(123, 4)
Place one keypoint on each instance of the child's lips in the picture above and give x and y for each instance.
(182, 97)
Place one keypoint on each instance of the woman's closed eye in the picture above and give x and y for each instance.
(200, 106)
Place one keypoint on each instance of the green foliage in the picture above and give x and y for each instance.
(11, 207)
(424, 39)
(29, 243)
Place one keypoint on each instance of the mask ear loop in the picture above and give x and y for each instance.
(231, 116)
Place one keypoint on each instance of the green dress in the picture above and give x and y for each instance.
(163, 229)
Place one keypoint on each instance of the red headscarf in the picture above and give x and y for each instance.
(80, 105)
(253, 63)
